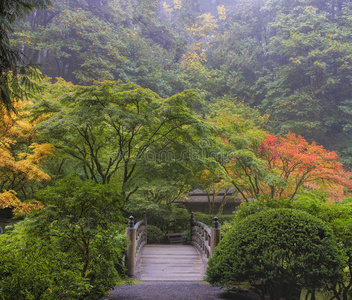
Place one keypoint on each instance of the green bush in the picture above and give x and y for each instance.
(337, 215)
(155, 235)
(169, 218)
(71, 249)
(185, 238)
(313, 202)
(32, 268)
(156, 214)
(279, 252)
(179, 219)
(208, 219)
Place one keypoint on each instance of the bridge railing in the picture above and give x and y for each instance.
(204, 238)
(137, 235)
(201, 236)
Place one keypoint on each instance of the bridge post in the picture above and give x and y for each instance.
(192, 220)
(130, 261)
(145, 224)
(215, 235)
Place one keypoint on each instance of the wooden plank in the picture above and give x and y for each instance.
(170, 263)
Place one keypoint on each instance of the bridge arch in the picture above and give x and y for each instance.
(201, 237)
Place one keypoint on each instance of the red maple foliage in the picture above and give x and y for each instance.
(291, 163)
(300, 163)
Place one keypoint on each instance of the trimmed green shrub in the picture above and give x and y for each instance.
(279, 252)
(314, 203)
(155, 235)
(185, 238)
(179, 218)
(336, 215)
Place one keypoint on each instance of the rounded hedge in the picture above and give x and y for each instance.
(278, 245)
(155, 235)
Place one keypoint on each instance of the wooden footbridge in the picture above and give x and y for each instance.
(170, 262)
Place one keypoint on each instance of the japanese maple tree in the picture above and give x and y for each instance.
(283, 165)
(213, 184)
(20, 159)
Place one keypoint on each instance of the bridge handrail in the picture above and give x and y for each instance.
(204, 238)
(137, 235)
(141, 236)
(203, 226)
(201, 238)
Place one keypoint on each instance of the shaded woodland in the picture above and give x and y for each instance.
(289, 59)
(116, 107)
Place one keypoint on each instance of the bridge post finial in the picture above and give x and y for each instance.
(131, 222)
(215, 235)
(192, 218)
(216, 222)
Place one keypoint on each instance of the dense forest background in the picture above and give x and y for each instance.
(112, 108)
(289, 59)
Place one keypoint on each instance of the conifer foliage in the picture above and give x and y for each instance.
(15, 71)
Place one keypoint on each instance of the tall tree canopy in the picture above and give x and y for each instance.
(290, 59)
(114, 131)
(83, 41)
(14, 70)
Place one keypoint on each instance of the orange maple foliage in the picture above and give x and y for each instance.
(20, 158)
(300, 163)
(281, 166)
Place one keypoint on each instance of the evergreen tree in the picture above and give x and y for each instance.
(14, 70)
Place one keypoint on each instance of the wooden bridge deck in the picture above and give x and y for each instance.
(170, 263)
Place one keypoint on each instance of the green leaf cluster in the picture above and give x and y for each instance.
(119, 132)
